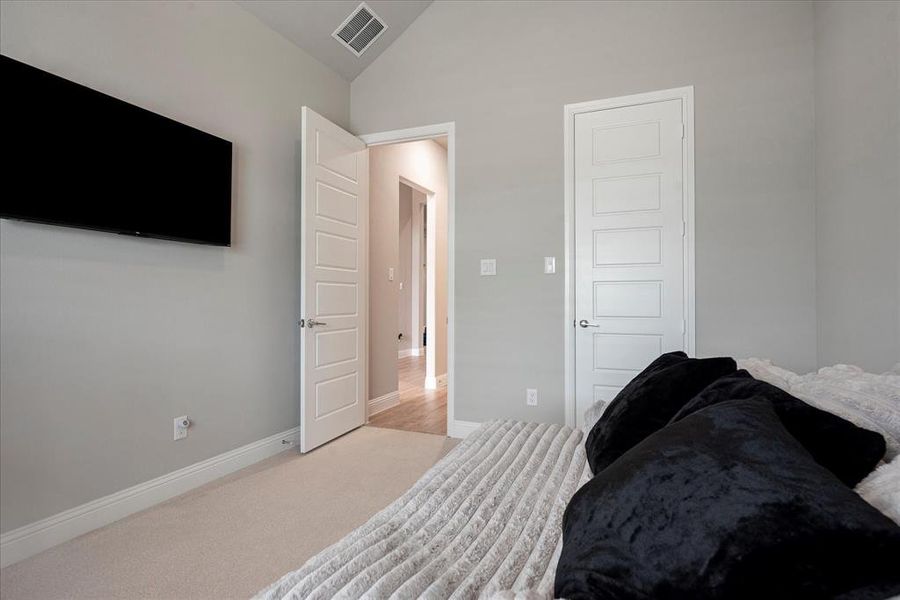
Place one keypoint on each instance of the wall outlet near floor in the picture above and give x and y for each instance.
(181, 427)
(531, 397)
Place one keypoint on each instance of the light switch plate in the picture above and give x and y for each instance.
(549, 264)
(488, 266)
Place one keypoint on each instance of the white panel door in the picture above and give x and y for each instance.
(629, 244)
(334, 184)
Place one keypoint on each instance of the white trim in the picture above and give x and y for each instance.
(461, 429)
(28, 540)
(423, 133)
(416, 279)
(686, 95)
(407, 352)
(433, 383)
(382, 403)
(430, 277)
(411, 134)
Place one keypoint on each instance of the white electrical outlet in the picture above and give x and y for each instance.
(181, 427)
(391, 274)
(531, 397)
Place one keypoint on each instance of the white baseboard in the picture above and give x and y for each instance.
(382, 403)
(433, 383)
(28, 540)
(461, 429)
(409, 352)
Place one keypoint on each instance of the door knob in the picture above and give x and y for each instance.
(584, 323)
(312, 323)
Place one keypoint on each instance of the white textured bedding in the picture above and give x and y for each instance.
(487, 518)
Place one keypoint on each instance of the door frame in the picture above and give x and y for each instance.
(417, 285)
(427, 132)
(430, 281)
(686, 95)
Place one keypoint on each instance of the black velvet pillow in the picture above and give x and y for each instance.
(649, 401)
(724, 503)
(848, 451)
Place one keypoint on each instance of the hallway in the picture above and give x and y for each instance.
(419, 409)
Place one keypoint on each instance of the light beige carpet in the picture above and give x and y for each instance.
(234, 536)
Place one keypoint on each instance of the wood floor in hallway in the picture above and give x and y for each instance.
(419, 409)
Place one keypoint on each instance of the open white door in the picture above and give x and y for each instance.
(334, 196)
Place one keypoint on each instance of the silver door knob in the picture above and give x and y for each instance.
(312, 323)
(584, 323)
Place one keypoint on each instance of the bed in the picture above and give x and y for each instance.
(486, 520)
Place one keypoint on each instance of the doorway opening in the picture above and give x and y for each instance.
(409, 291)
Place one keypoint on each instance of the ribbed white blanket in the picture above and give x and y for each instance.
(486, 518)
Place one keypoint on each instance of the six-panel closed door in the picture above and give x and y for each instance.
(629, 244)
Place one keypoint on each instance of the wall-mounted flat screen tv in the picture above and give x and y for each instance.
(70, 155)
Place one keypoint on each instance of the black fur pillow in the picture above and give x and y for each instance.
(848, 451)
(649, 401)
(724, 504)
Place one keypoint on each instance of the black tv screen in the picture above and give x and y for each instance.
(74, 156)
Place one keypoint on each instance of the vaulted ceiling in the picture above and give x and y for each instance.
(310, 23)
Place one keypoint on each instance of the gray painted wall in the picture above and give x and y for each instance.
(105, 339)
(858, 182)
(505, 86)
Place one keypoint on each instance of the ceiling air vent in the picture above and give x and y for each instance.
(360, 29)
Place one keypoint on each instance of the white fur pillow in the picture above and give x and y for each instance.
(764, 370)
(592, 415)
(865, 399)
(881, 489)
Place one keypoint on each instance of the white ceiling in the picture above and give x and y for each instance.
(310, 23)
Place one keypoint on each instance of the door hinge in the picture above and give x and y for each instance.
(683, 327)
(683, 229)
(682, 131)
